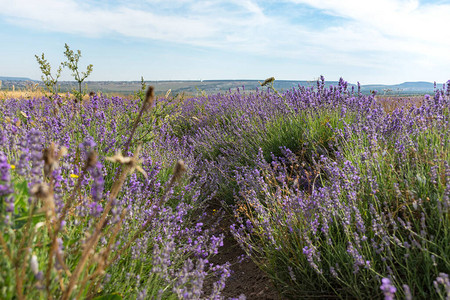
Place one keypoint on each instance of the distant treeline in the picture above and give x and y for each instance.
(211, 86)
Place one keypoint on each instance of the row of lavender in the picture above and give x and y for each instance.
(79, 219)
(334, 193)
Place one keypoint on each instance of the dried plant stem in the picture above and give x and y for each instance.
(271, 81)
(133, 130)
(62, 263)
(92, 242)
(179, 169)
(72, 196)
(149, 99)
(54, 235)
(19, 285)
(20, 266)
(98, 272)
(51, 250)
(5, 246)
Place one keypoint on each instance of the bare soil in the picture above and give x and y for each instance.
(246, 278)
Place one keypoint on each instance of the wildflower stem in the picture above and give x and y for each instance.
(5, 246)
(21, 265)
(179, 169)
(111, 241)
(149, 98)
(92, 242)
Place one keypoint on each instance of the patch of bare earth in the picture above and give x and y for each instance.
(246, 278)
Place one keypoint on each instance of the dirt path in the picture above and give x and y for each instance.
(246, 278)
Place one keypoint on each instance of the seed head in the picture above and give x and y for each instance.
(92, 159)
(267, 81)
(50, 160)
(132, 163)
(149, 97)
(40, 190)
(43, 192)
(180, 168)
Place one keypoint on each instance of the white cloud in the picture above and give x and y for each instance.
(395, 33)
(80, 18)
(208, 22)
(404, 22)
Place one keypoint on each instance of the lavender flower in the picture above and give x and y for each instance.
(407, 290)
(442, 281)
(96, 172)
(388, 289)
(6, 188)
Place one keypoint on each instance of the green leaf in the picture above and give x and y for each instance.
(22, 220)
(21, 195)
(113, 296)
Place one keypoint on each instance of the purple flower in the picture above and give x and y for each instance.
(5, 177)
(6, 188)
(95, 209)
(407, 290)
(388, 289)
(98, 181)
(444, 281)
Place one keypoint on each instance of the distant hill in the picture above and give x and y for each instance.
(195, 87)
(3, 78)
(418, 87)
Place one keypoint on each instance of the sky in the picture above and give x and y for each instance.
(370, 41)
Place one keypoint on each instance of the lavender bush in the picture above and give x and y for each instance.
(373, 204)
(333, 190)
(79, 219)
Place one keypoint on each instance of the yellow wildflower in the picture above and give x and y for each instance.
(74, 175)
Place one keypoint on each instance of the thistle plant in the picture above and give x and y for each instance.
(270, 81)
(141, 92)
(50, 80)
(72, 63)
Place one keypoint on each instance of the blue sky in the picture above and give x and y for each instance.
(371, 41)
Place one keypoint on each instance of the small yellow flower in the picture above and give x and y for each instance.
(74, 175)
(12, 167)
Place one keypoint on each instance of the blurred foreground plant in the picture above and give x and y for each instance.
(62, 238)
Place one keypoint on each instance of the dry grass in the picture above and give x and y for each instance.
(390, 103)
(27, 94)
(30, 94)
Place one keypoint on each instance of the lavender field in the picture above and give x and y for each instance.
(333, 194)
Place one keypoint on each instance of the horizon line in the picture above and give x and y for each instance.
(20, 78)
